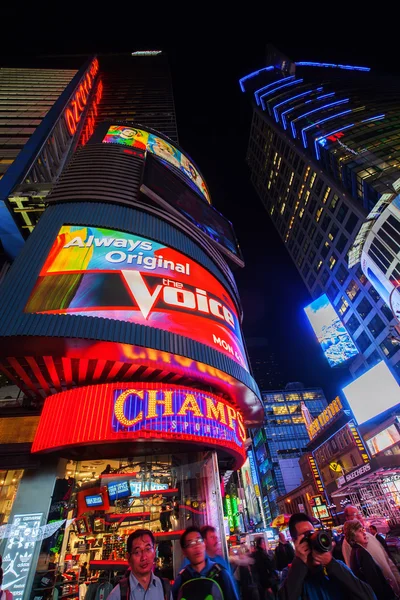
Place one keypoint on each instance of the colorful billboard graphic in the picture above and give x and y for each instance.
(384, 439)
(126, 412)
(111, 274)
(139, 138)
(372, 393)
(330, 331)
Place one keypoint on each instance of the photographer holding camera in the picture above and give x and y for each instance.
(314, 574)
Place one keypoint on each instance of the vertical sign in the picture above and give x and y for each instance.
(18, 553)
(228, 511)
(253, 473)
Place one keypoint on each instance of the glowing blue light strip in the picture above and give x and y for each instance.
(303, 135)
(285, 85)
(254, 74)
(377, 118)
(317, 64)
(266, 87)
(325, 96)
(293, 98)
(310, 112)
(322, 137)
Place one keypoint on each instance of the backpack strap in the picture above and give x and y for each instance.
(214, 572)
(166, 586)
(124, 588)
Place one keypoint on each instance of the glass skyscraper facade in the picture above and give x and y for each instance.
(324, 149)
(279, 444)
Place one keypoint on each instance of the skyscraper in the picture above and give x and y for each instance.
(120, 321)
(282, 440)
(323, 154)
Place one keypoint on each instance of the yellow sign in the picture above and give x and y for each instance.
(334, 466)
(324, 418)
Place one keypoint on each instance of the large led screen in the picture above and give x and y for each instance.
(330, 331)
(139, 138)
(97, 272)
(372, 393)
(383, 439)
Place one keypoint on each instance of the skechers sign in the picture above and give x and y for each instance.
(116, 275)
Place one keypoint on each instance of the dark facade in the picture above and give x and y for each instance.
(323, 151)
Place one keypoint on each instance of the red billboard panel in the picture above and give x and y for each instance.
(121, 412)
(96, 272)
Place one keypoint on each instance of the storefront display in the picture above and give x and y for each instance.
(9, 481)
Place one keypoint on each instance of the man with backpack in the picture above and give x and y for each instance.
(202, 578)
(140, 582)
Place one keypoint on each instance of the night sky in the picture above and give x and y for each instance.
(208, 53)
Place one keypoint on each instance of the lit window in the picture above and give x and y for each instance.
(318, 214)
(343, 307)
(319, 265)
(327, 192)
(352, 290)
(332, 261)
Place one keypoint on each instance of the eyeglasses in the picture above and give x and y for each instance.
(145, 552)
(195, 542)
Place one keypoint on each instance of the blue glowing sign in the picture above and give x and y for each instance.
(330, 331)
(119, 489)
(94, 500)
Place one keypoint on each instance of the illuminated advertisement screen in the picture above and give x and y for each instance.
(139, 138)
(94, 500)
(372, 393)
(165, 188)
(335, 341)
(119, 489)
(116, 275)
(384, 439)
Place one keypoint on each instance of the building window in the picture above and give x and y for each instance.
(325, 250)
(387, 312)
(324, 277)
(373, 358)
(325, 222)
(352, 290)
(332, 291)
(341, 274)
(306, 270)
(389, 347)
(342, 212)
(361, 277)
(352, 324)
(363, 341)
(333, 232)
(332, 261)
(318, 266)
(364, 308)
(333, 203)
(318, 240)
(311, 280)
(374, 294)
(351, 223)
(343, 306)
(353, 460)
(312, 255)
(376, 325)
(341, 243)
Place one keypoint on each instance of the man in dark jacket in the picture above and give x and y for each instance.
(374, 531)
(263, 571)
(284, 553)
(314, 575)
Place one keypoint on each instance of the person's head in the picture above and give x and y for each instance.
(299, 524)
(354, 532)
(211, 540)
(282, 538)
(192, 544)
(351, 512)
(373, 529)
(85, 564)
(260, 543)
(163, 507)
(140, 552)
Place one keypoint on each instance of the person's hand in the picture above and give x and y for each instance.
(301, 549)
(321, 558)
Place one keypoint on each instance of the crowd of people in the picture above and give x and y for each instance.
(356, 566)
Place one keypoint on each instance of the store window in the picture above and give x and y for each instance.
(109, 499)
(9, 481)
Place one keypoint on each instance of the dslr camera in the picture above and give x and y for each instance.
(320, 541)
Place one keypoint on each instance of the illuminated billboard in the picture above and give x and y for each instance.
(139, 138)
(335, 341)
(97, 272)
(127, 412)
(372, 393)
(383, 439)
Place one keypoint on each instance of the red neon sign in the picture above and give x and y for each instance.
(76, 106)
(123, 412)
(92, 114)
